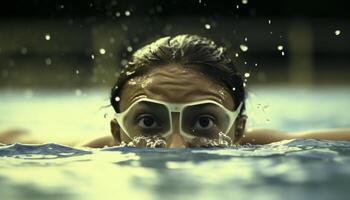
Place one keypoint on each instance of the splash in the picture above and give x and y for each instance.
(243, 47)
(146, 141)
(337, 32)
(223, 141)
(127, 13)
(207, 26)
(102, 51)
(47, 37)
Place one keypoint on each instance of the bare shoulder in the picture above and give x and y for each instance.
(265, 136)
(100, 142)
(16, 136)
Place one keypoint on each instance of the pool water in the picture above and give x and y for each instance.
(291, 169)
(295, 169)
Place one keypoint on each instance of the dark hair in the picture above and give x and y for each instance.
(185, 50)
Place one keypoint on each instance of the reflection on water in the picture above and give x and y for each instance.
(302, 169)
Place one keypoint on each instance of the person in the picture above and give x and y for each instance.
(185, 91)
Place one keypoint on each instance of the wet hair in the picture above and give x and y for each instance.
(188, 51)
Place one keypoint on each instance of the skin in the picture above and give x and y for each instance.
(175, 83)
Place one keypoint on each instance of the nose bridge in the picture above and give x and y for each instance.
(176, 140)
(175, 122)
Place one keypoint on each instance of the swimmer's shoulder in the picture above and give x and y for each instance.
(263, 136)
(100, 142)
(266, 136)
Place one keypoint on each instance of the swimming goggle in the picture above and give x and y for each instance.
(149, 117)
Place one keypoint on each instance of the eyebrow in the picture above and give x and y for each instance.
(136, 96)
(204, 94)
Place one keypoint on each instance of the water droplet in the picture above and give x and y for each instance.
(337, 32)
(282, 53)
(234, 89)
(116, 87)
(269, 21)
(245, 62)
(117, 14)
(244, 1)
(236, 54)
(61, 6)
(246, 39)
(117, 99)
(207, 26)
(132, 82)
(24, 50)
(47, 36)
(280, 47)
(256, 64)
(124, 27)
(129, 49)
(128, 73)
(237, 7)
(78, 92)
(102, 51)
(123, 62)
(247, 75)
(159, 9)
(92, 56)
(244, 84)
(111, 40)
(243, 47)
(127, 13)
(265, 107)
(48, 61)
(77, 71)
(199, 1)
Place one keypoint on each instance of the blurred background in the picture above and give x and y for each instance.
(59, 58)
(62, 43)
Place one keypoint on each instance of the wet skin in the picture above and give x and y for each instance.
(177, 84)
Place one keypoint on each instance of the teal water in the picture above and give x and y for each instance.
(294, 169)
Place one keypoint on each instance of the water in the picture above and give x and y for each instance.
(293, 169)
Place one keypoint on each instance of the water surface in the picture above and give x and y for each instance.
(294, 169)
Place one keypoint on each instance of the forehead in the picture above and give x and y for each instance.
(175, 83)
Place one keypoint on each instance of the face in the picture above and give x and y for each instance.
(176, 84)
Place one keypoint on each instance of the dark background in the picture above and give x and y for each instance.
(313, 54)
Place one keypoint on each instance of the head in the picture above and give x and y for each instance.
(180, 69)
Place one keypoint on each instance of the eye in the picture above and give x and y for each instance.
(204, 122)
(147, 121)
